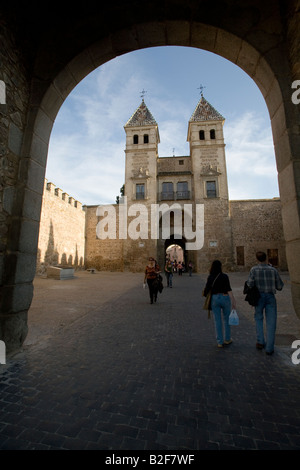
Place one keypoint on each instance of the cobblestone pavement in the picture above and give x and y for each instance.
(103, 369)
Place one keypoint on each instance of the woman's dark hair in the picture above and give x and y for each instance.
(216, 267)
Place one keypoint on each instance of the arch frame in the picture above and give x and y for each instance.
(266, 62)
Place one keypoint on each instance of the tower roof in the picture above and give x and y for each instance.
(141, 117)
(204, 111)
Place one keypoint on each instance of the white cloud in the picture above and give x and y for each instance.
(250, 157)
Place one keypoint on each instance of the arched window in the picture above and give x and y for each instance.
(135, 139)
(146, 139)
(201, 135)
(212, 134)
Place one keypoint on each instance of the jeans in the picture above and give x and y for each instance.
(169, 277)
(267, 303)
(221, 303)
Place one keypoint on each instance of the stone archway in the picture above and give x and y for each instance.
(251, 36)
(179, 244)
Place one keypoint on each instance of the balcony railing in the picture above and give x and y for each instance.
(174, 196)
(182, 195)
(167, 196)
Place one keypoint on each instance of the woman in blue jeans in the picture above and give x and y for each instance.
(222, 301)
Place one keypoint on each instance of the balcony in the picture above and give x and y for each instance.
(174, 196)
(167, 196)
(182, 195)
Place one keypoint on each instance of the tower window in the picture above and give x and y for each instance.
(211, 189)
(140, 191)
(135, 139)
(212, 134)
(201, 135)
(146, 138)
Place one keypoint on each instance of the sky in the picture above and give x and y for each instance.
(86, 157)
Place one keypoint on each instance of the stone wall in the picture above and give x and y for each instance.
(257, 225)
(62, 230)
(103, 255)
(13, 108)
(252, 225)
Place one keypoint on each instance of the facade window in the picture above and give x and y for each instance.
(273, 256)
(135, 139)
(240, 256)
(140, 191)
(211, 189)
(212, 134)
(167, 191)
(146, 139)
(181, 162)
(182, 190)
(201, 135)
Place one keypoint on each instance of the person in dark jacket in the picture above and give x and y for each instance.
(222, 301)
(151, 276)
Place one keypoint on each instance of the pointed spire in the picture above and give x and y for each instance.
(205, 112)
(141, 117)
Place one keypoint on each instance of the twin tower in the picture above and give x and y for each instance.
(192, 190)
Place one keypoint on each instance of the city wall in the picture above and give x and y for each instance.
(257, 225)
(68, 236)
(62, 230)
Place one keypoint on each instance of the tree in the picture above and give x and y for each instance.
(122, 192)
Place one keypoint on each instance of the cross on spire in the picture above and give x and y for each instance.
(143, 92)
(201, 87)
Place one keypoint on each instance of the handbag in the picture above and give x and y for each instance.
(207, 303)
(252, 294)
(233, 319)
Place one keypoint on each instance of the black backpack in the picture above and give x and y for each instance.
(252, 294)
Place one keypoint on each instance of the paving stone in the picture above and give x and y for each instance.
(127, 375)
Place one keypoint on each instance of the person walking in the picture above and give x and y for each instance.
(190, 268)
(151, 276)
(222, 301)
(267, 280)
(169, 272)
(179, 266)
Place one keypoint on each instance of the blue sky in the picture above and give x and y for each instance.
(86, 152)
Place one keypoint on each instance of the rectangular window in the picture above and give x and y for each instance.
(211, 189)
(167, 191)
(273, 256)
(182, 190)
(140, 191)
(240, 256)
